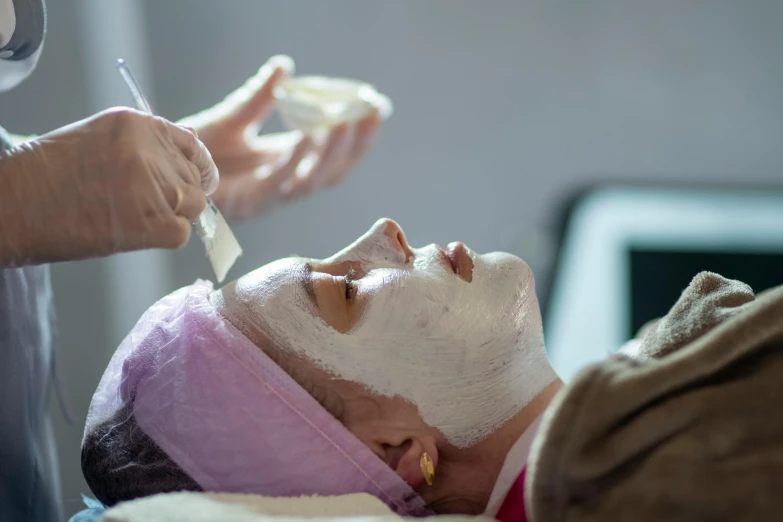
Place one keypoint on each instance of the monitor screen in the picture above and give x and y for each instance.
(658, 276)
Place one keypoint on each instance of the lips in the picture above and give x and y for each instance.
(461, 263)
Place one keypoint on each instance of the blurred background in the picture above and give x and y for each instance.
(502, 109)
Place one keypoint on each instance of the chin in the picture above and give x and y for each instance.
(511, 268)
(505, 261)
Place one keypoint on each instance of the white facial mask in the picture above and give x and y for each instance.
(468, 355)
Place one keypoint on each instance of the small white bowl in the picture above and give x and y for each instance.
(313, 104)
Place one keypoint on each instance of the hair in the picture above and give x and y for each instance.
(120, 462)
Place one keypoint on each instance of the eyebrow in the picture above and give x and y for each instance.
(307, 284)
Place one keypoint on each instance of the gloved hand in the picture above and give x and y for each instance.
(120, 180)
(259, 172)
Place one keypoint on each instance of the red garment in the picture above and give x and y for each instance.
(513, 507)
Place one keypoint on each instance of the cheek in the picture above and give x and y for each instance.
(411, 307)
(362, 413)
(360, 410)
(340, 268)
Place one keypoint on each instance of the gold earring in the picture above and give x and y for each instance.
(427, 468)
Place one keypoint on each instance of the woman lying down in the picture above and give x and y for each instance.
(420, 376)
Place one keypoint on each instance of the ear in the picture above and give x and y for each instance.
(404, 457)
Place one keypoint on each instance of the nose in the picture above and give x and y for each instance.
(392, 230)
(383, 244)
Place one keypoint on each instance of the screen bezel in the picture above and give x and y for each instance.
(589, 301)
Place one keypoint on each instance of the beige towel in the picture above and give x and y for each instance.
(691, 431)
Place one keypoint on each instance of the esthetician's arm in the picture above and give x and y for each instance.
(117, 181)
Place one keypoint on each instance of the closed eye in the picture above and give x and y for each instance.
(350, 284)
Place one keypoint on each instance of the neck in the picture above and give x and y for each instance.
(510, 433)
(480, 465)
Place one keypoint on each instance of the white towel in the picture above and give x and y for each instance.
(223, 507)
(196, 507)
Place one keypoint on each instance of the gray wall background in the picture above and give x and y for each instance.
(501, 108)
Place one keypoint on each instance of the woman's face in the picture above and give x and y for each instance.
(454, 333)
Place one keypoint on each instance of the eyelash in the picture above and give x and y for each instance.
(350, 284)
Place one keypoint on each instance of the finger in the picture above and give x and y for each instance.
(255, 192)
(190, 130)
(366, 130)
(297, 188)
(275, 143)
(252, 102)
(193, 202)
(171, 232)
(197, 154)
(285, 167)
(185, 171)
(267, 149)
(364, 134)
(175, 233)
(337, 144)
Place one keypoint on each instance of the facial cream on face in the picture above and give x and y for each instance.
(468, 355)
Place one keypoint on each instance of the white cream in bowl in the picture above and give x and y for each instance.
(312, 104)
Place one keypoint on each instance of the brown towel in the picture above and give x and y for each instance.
(694, 432)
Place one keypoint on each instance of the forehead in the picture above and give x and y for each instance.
(285, 281)
(287, 268)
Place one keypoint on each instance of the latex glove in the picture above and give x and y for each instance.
(106, 184)
(259, 172)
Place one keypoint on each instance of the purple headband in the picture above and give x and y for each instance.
(231, 418)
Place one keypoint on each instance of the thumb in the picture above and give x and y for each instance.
(174, 233)
(252, 102)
